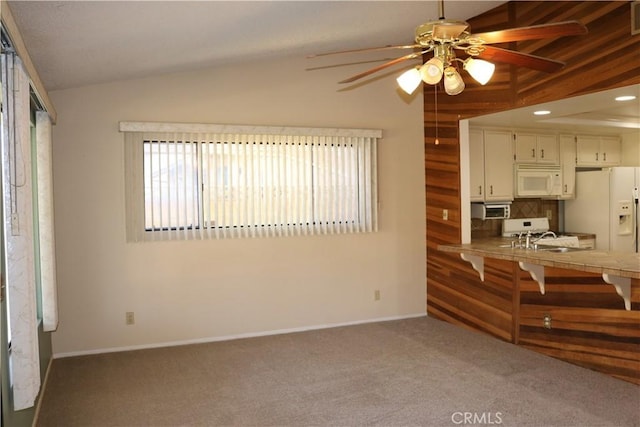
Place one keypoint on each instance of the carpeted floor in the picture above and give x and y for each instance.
(413, 372)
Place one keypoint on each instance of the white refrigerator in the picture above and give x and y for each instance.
(606, 204)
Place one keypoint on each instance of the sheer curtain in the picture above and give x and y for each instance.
(18, 242)
(45, 223)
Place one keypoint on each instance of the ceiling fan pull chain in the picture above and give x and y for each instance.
(435, 92)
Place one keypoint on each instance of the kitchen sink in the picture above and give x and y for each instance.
(547, 248)
(557, 249)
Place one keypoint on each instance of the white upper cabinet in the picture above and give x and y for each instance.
(498, 165)
(493, 153)
(491, 162)
(476, 159)
(611, 150)
(536, 148)
(568, 165)
(598, 150)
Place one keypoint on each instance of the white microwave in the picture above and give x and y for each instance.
(490, 210)
(538, 181)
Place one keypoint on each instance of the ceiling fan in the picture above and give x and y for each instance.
(444, 37)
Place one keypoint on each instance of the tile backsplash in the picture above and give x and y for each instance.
(520, 208)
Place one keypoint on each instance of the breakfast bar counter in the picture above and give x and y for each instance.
(620, 264)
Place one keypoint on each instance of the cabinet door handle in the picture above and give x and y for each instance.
(597, 157)
(542, 153)
(604, 157)
(491, 189)
(533, 153)
(565, 188)
(480, 190)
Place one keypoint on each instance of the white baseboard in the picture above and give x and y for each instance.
(232, 337)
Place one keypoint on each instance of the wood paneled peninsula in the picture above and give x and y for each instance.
(580, 306)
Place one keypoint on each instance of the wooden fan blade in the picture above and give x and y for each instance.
(543, 31)
(521, 59)
(368, 49)
(382, 67)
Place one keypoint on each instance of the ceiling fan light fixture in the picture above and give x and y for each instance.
(431, 71)
(480, 70)
(453, 83)
(409, 80)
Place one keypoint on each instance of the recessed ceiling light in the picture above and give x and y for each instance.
(625, 98)
(542, 112)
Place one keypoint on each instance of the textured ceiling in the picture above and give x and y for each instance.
(76, 43)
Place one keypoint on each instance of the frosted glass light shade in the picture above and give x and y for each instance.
(480, 70)
(409, 80)
(431, 71)
(453, 83)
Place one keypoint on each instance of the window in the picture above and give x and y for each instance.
(216, 181)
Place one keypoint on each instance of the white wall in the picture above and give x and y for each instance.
(182, 291)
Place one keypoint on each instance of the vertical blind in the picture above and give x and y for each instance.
(241, 181)
(18, 234)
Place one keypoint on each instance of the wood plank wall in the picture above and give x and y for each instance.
(606, 58)
(606, 338)
(486, 305)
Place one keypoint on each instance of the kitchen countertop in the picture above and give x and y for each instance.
(621, 264)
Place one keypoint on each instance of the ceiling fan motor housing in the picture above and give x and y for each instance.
(443, 31)
(445, 35)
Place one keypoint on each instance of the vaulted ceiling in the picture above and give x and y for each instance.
(76, 43)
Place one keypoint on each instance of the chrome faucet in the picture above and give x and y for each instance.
(527, 242)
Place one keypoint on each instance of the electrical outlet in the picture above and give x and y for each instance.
(549, 214)
(376, 295)
(129, 318)
(445, 214)
(546, 321)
